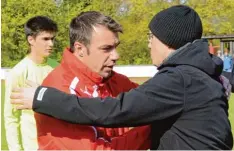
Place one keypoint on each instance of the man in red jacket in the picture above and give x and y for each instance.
(86, 70)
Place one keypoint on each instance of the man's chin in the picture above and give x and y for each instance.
(47, 54)
(107, 75)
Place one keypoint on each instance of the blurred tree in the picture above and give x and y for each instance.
(133, 48)
(217, 15)
(134, 15)
(14, 15)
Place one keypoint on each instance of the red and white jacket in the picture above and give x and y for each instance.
(72, 76)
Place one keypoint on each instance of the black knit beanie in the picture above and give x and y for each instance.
(176, 26)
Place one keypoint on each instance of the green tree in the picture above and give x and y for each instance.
(65, 12)
(217, 15)
(133, 48)
(134, 15)
(14, 15)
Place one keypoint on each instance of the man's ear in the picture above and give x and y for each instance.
(79, 49)
(31, 40)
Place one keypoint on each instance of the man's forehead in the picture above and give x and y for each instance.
(108, 43)
(104, 35)
(46, 34)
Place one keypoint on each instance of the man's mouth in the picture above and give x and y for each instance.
(110, 66)
(49, 50)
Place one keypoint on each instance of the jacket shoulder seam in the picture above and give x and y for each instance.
(181, 75)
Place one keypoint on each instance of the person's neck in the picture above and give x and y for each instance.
(36, 58)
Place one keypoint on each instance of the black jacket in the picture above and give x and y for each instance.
(184, 103)
(230, 77)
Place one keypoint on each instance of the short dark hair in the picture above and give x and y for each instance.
(81, 27)
(39, 24)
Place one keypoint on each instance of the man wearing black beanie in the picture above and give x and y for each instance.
(185, 102)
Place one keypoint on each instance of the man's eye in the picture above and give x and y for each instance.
(109, 49)
(49, 39)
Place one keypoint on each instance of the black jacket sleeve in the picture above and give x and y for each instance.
(159, 98)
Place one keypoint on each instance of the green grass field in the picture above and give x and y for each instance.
(3, 139)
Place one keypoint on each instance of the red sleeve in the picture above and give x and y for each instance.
(137, 138)
(119, 83)
(112, 132)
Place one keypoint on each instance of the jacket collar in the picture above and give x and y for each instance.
(194, 54)
(77, 68)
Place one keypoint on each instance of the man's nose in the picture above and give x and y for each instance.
(149, 44)
(114, 54)
(51, 43)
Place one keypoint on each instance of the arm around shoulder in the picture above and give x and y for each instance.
(159, 98)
